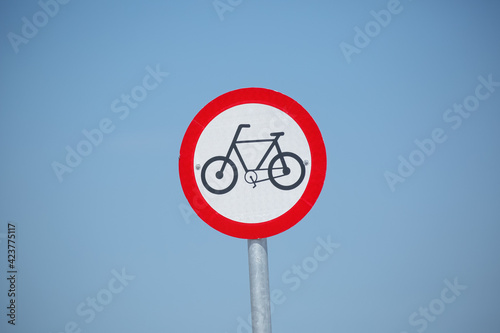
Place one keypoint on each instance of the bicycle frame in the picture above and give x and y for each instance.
(234, 147)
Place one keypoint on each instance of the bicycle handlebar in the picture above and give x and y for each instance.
(238, 130)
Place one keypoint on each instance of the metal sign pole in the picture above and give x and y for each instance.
(259, 285)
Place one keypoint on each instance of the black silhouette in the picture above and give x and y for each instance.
(275, 170)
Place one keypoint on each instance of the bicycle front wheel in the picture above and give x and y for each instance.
(219, 175)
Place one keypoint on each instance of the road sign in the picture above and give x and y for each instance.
(252, 163)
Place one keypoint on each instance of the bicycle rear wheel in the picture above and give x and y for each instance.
(288, 176)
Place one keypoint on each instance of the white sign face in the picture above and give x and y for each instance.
(252, 163)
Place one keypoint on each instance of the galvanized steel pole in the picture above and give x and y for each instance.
(259, 285)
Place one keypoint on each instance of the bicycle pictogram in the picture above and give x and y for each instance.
(285, 170)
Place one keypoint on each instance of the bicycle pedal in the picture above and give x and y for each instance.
(253, 182)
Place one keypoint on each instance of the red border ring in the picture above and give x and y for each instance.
(313, 188)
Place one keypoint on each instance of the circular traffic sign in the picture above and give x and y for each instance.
(252, 163)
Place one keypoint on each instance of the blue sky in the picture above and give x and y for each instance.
(115, 236)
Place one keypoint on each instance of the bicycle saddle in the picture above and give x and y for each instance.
(277, 134)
